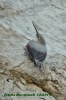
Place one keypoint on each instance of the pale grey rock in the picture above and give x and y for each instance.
(16, 30)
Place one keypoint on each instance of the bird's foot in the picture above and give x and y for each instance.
(35, 63)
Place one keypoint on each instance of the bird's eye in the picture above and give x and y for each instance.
(38, 36)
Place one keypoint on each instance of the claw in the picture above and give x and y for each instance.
(35, 63)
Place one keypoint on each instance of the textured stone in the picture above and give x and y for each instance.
(17, 72)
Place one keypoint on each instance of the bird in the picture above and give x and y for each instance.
(37, 50)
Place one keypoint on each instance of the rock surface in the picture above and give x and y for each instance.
(17, 72)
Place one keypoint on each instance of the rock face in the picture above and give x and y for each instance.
(17, 73)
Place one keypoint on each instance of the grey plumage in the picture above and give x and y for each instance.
(37, 49)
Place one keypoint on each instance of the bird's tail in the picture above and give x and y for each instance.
(39, 36)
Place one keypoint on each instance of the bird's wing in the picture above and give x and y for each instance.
(40, 56)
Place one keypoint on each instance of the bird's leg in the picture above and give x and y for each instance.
(35, 64)
(31, 58)
(40, 66)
